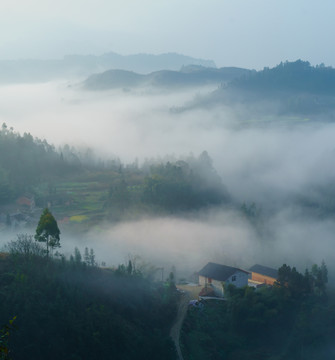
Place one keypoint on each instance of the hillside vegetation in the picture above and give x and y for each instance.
(297, 76)
(70, 309)
(293, 320)
(83, 190)
(294, 91)
(188, 76)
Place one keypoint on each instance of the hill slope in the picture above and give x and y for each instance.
(69, 310)
(289, 89)
(188, 76)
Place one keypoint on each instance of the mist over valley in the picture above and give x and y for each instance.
(283, 167)
(148, 181)
(167, 180)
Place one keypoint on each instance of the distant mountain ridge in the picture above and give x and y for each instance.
(188, 76)
(289, 89)
(144, 63)
(297, 76)
(71, 66)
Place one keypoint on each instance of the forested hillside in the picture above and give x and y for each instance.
(71, 309)
(83, 189)
(289, 89)
(26, 161)
(188, 77)
(293, 320)
(297, 76)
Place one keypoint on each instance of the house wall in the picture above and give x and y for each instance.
(255, 284)
(241, 279)
(203, 280)
(218, 288)
(263, 278)
(215, 284)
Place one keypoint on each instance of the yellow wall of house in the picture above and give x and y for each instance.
(263, 278)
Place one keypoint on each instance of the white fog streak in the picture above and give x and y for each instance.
(262, 164)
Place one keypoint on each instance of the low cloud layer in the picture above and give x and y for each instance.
(264, 164)
(219, 236)
(253, 161)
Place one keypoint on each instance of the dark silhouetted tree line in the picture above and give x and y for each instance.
(291, 88)
(26, 161)
(185, 185)
(172, 186)
(292, 320)
(291, 76)
(72, 310)
(31, 166)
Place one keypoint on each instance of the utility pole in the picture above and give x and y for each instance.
(162, 270)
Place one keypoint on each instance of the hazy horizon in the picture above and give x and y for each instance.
(240, 33)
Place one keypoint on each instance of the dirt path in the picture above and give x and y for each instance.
(190, 292)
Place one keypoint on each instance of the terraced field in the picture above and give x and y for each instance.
(78, 205)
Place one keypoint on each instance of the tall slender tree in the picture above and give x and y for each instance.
(47, 231)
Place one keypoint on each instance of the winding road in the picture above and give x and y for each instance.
(190, 292)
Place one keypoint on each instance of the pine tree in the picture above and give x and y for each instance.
(47, 231)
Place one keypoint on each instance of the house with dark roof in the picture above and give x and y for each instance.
(263, 274)
(218, 276)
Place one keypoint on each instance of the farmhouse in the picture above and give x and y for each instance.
(26, 202)
(217, 276)
(263, 274)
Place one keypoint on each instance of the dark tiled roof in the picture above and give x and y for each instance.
(264, 270)
(218, 272)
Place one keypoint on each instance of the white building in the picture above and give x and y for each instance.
(218, 276)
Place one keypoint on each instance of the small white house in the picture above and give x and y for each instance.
(217, 276)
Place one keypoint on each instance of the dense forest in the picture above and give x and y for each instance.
(290, 76)
(83, 189)
(294, 319)
(289, 89)
(26, 161)
(71, 309)
(79, 185)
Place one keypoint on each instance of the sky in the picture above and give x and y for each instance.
(262, 165)
(244, 33)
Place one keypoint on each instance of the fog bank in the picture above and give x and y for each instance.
(254, 161)
(221, 236)
(263, 163)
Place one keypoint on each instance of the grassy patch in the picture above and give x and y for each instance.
(78, 218)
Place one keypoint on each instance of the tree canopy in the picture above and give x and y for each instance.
(68, 310)
(294, 319)
(47, 230)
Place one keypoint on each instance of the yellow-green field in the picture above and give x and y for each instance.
(77, 204)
